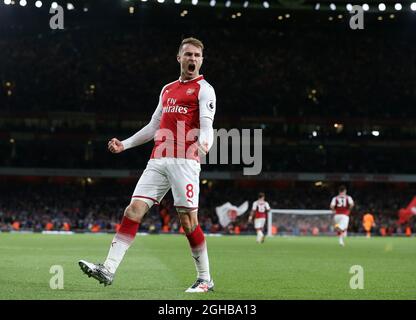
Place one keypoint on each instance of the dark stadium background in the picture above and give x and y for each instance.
(336, 106)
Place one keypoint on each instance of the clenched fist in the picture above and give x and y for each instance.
(115, 146)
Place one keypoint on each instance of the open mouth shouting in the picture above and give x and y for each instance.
(191, 67)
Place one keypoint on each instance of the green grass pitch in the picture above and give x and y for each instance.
(160, 267)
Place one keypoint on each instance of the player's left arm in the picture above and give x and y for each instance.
(207, 107)
(267, 209)
(332, 205)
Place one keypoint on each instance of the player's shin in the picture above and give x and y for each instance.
(121, 242)
(259, 235)
(341, 237)
(199, 252)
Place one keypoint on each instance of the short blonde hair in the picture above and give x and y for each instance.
(193, 41)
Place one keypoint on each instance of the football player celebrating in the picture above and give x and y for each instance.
(181, 127)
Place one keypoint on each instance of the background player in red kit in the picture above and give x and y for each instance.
(341, 206)
(259, 211)
(181, 127)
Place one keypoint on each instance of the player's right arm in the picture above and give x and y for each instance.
(253, 211)
(250, 217)
(144, 135)
(350, 203)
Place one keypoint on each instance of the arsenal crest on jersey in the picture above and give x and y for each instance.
(190, 91)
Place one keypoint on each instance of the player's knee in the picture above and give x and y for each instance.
(188, 219)
(186, 225)
(136, 210)
(184, 219)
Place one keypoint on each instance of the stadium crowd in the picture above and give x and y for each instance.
(98, 208)
(110, 73)
(115, 69)
(69, 154)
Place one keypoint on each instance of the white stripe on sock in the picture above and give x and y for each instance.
(118, 248)
(200, 255)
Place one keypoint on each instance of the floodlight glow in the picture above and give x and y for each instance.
(194, 2)
(266, 5)
(382, 7)
(413, 6)
(245, 4)
(54, 5)
(38, 4)
(332, 6)
(349, 7)
(70, 6)
(398, 6)
(23, 3)
(366, 7)
(212, 3)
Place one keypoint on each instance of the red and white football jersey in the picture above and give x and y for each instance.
(260, 207)
(181, 104)
(342, 204)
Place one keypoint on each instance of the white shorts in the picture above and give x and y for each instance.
(259, 223)
(182, 175)
(342, 220)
